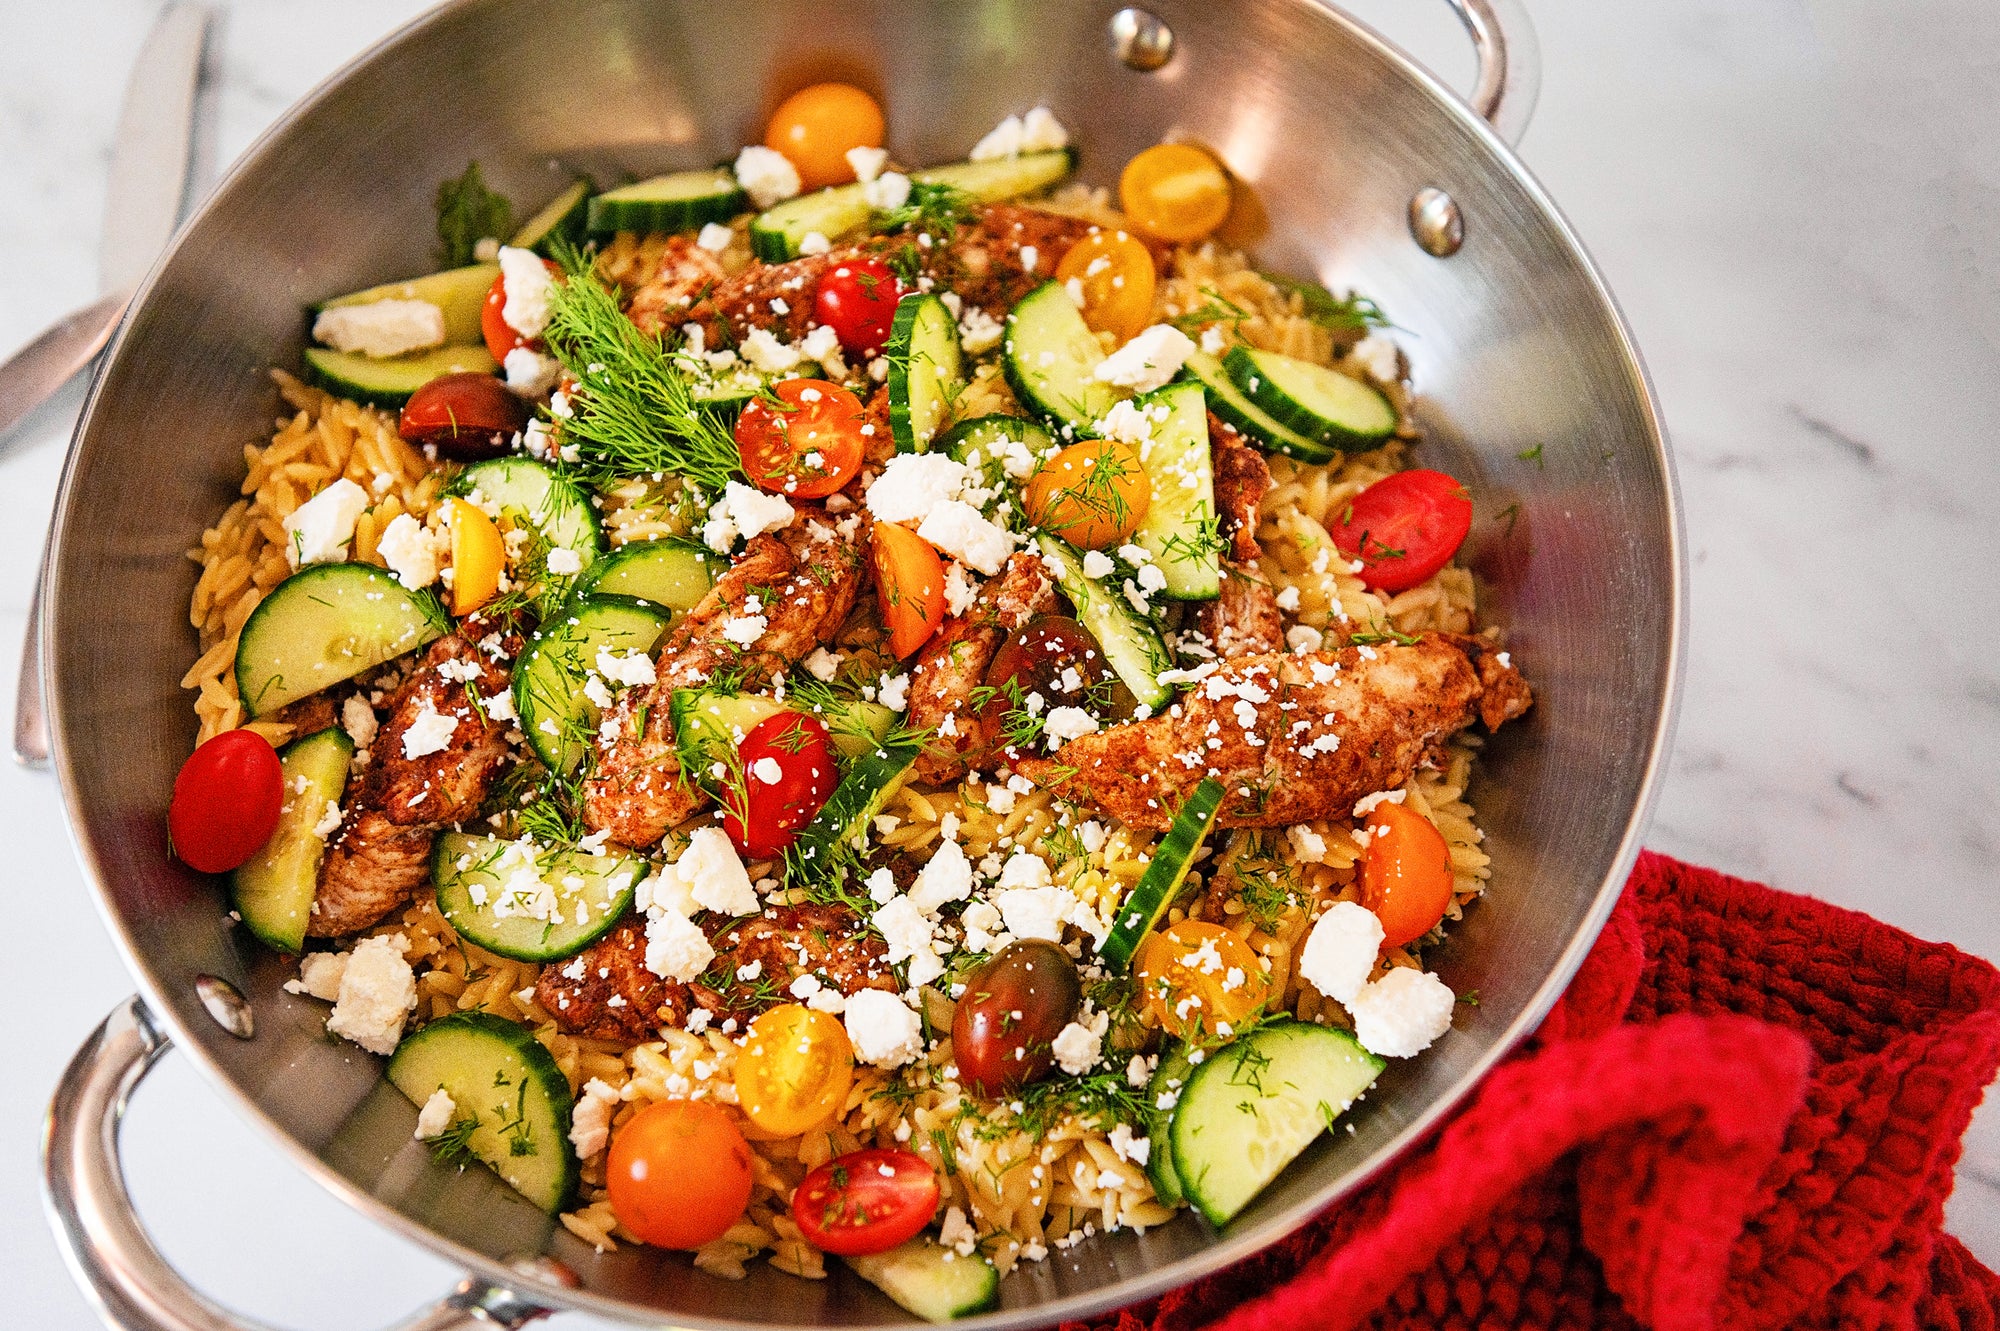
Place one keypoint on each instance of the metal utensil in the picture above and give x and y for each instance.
(142, 205)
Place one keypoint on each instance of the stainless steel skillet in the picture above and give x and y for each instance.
(1368, 173)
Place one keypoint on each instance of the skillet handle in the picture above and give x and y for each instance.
(107, 1249)
(1510, 63)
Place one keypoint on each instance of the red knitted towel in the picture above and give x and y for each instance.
(1743, 1114)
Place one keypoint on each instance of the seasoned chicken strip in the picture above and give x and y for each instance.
(1243, 619)
(954, 663)
(1242, 479)
(579, 993)
(803, 581)
(395, 804)
(1292, 737)
(684, 275)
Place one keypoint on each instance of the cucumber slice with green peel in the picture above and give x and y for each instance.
(574, 898)
(561, 218)
(459, 292)
(856, 726)
(1169, 1079)
(871, 779)
(1156, 889)
(1000, 178)
(556, 715)
(926, 370)
(681, 201)
(512, 1103)
(274, 891)
(537, 495)
(710, 726)
(1050, 356)
(327, 623)
(1131, 644)
(1252, 1106)
(1179, 529)
(1313, 400)
(389, 383)
(934, 1282)
(1228, 402)
(670, 574)
(984, 442)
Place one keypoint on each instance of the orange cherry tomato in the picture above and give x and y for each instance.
(477, 557)
(815, 127)
(500, 336)
(866, 1201)
(1175, 191)
(1196, 977)
(795, 1070)
(1115, 272)
(1093, 494)
(1405, 873)
(679, 1173)
(807, 443)
(909, 587)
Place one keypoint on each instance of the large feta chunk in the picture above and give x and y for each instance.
(377, 991)
(529, 372)
(883, 1029)
(527, 283)
(1341, 950)
(767, 175)
(320, 530)
(435, 1116)
(888, 191)
(1148, 360)
(590, 1120)
(957, 529)
(948, 877)
(676, 948)
(713, 875)
(742, 513)
(410, 551)
(1077, 1048)
(429, 732)
(1399, 1015)
(1036, 912)
(381, 328)
(913, 484)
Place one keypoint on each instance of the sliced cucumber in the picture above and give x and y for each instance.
(536, 494)
(870, 780)
(274, 891)
(1317, 402)
(1251, 1107)
(326, 623)
(559, 720)
(983, 443)
(668, 573)
(1049, 357)
(389, 383)
(1170, 1078)
(459, 292)
(682, 201)
(585, 896)
(1179, 527)
(936, 1283)
(777, 233)
(1161, 883)
(1228, 402)
(561, 218)
(926, 370)
(500, 1079)
(857, 727)
(708, 725)
(1132, 645)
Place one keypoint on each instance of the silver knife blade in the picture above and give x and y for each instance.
(149, 156)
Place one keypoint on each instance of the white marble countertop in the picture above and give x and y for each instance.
(1793, 200)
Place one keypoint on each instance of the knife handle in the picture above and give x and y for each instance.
(32, 375)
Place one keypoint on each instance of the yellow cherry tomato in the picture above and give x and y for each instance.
(1175, 191)
(815, 127)
(1196, 977)
(1114, 271)
(795, 1069)
(1093, 494)
(477, 556)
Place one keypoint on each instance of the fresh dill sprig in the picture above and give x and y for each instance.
(1204, 541)
(932, 207)
(1352, 313)
(1377, 633)
(467, 213)
(1215, 309)
(632, 414)
(453, 1146)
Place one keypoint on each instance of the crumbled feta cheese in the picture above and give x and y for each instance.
(564, 562)
(1288, 600)
(319, 975)
(903, 926)
(1379, 358)
(1038, 131)
(1152, 578)
(958, 530)
(1148, 360)
(978, 331)
(713, 875)
(1367, 804)
(1068, 723)
(377, 991)
(1304, 638)
(883, 1029)
(429, 732)
(1212, 340)
(895, 693)
(960, 591)
(590, 1119)
(357, 718)
(1077, 1048)
(321, 529)
(913, 484)
(1399, 1015)
(947, 877)
(867, 162)
(957, 1233)
(410, 551)
(627, 668)
(329, 821)
(763, 350)
(881, 886)
(743, 512)
(822, 665)
(812, 242)
(982, 925)
(527, 283)
(744, 629)
(767, 175)
(676, 948)
(714, 237)
(823, 345)
(1126, 424)
(1308, 846)
(1097, 564)
(435, 1116)
(1127, 1146)
(1035, 912)
(529, 372)
(888, 191)
(768, 770)
(381, 328)
(1341, 950)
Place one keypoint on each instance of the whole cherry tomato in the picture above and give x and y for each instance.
(865, 1202)
(1404, 527)
(788, 773)
(466, 416)
(805, 441)
(1007, 1020)
(857, 300)
(226, 801)
(816, 126)
(502, 337)
(679, 1173)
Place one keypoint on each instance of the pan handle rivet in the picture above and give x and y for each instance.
(1140, 39)
(227, 1005)
(1436, 222)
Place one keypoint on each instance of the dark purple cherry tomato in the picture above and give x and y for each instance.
(1052, 655)
(226, 801)
(1009, 1016)
(857, 300)
(466, 416)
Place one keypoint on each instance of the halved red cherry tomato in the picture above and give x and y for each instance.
(1405, 873)
(465, 417)
(502, 337)
(788, 773)
(1404, 527)
(857, 300)
(815, 127)
(679, 1173)
(806, 444)
(226, 801)
(865, 1202)
(909, 587)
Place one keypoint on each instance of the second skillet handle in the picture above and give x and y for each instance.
(1510, 63)
(107, 1249)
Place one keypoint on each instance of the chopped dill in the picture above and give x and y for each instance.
(932, 207)
(1216, 308)
(1352, 313)
(1378, 633)
(1533, 455)
(467, 213)
(453, 1146)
